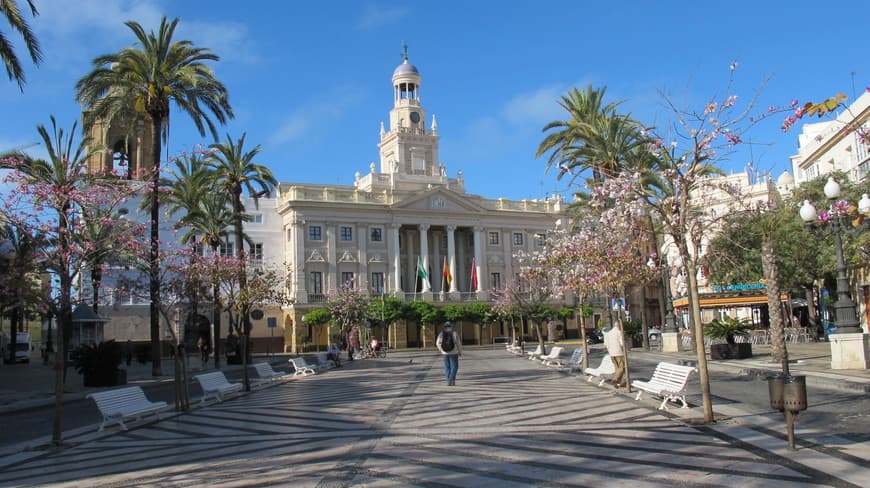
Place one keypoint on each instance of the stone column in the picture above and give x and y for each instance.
(451, 257)
(478, 256)
(394, 262)
(424, 254)
(508, 256)
(362, 244)
(410, 262)
(437, 262)
(331, 259)
(297, 242)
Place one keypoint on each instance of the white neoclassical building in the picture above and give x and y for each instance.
(403, 214)
(835, 144)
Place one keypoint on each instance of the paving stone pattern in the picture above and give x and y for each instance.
(377, 423)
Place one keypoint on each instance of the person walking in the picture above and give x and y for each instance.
(448, 344)
(616, 348)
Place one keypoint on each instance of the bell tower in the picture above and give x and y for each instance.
(408, 147)
(127, 148)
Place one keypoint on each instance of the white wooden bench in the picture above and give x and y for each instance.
(215, 384)
(122, 404)
(554, 353)
(535, 354)
(574, 362)
(302, 367)
(267, 374)
(668, 381)
(606, 367)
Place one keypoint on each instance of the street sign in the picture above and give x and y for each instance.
(271, 322)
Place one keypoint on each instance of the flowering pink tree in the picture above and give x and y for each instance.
(244, 288)
(49, 198)
(349, 306)
(671, 176)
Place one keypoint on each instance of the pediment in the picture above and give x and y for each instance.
(347, 257)
(315, 257)
(438, 200)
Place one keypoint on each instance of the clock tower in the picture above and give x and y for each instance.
(409, 149)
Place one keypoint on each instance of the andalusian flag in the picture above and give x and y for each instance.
(423, 274)
(447, 278)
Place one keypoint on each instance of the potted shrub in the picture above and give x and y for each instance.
(100, 364)
(728, 328)
(633, 330)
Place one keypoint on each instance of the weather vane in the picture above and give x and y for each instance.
(404, 53)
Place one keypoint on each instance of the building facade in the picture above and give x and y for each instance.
(405, 214)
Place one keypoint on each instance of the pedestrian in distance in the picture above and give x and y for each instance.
(448, 344)
(616, 348)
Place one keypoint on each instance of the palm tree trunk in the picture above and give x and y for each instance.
(245, 310)
(154, 253)
(216, 317)
(774, 304)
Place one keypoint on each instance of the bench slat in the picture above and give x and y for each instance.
(124, 403)
(668, 381)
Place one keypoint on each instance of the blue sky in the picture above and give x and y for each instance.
(310, 81)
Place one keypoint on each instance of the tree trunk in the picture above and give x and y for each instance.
(154, 252)
(774, 304)
(216, 317)
(540, 338)
(245, 310)
(698, 328)
(644, 328)
(13, 334)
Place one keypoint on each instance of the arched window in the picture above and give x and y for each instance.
(121, 160)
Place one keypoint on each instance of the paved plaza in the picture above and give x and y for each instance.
(393, 422)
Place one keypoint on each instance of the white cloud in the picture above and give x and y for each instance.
(66, 29)
(65, 18)
(318, 113)
(537, 107)
(374, 17)
(229, 40)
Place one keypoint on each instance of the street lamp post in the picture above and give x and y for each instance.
(845, 318)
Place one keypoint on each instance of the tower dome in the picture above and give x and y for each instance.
(406, 69)
(785, 180)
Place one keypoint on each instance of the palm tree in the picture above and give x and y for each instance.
(102, 230)
(20, 285)
(207, 217)
(148, 78)
(596, 137)
(10, 10)
(236, 171)
(208, 224)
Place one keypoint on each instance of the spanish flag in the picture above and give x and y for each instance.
(446, 274)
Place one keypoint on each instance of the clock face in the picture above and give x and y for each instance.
(415, 117)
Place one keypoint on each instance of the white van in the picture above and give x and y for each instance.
(23, 343)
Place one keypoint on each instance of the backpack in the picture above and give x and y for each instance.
(447, 343)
